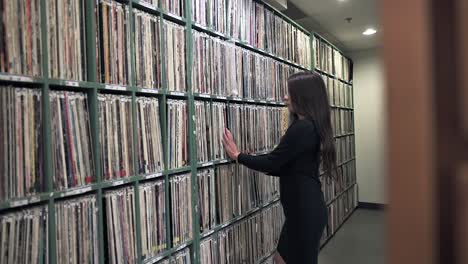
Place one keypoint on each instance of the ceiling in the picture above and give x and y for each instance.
(327, 18)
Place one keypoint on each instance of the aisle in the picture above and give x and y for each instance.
(359, 241)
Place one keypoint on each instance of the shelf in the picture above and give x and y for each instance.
(211, 32)
(174, 18)
(271, 55)
(140, 90)
(347, 161)
(70, 192)
(76, 84)
(143, 6)
(332, 76)
(235, 220)
(338, 228)
(104, 185)
(168, 253)
(263, 102)
(151, 176)
(344, 81)
(146, 7)
(115, 87)
(341, 107)
(176, 94)
(344, 135)
(282, 15)
(213, 163)
(261, 260)
(24, 201)
(340, 194)
(74, 191)
(220, 98)
(246, 46)
(118, 182)
(201, 165)
(200, 27)
(20, 78)
(316, 35)
(178, 170)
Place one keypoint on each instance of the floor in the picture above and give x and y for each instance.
(359, 241)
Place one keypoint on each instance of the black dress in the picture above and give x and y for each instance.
(296, 161)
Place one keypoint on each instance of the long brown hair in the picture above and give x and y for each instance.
(308, 98)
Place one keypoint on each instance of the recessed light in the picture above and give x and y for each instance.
(369, 31)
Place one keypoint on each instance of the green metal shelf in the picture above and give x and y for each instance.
(342, 107)
(199, 96)
(347, 161)
(167, 253)
(108, 184)
(202, 165)
(210, 31)
(340, 194)
(263, 259)
(339, 226)
(174, 18)
(279, 13)
(344, 135)
(152, 176)
(77, 84)
(332, 76)
(5, 77)
(114, 87)
(146, 91)
(176, 94)
(79, 190)
(332, 45)
(271, 55)
(317, 35)
(143, 6)
(178, 170)
(244, 45)
(238, 219)
(24, 201)
(75, 191)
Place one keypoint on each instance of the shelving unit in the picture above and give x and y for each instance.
(340, 202)
(92, 88)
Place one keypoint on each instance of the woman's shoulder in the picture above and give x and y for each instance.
(302, 127)
(303, 124)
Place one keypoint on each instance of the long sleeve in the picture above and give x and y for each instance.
(297, 140)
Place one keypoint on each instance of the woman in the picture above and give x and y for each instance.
(296, 160)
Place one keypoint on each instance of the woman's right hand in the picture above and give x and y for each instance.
(230, 145)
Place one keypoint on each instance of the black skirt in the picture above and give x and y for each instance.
(299, 241)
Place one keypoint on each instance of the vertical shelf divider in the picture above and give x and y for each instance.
(164, 128)
(90, 24)
(136, 183)
(47, 136)
(192, 134)
(312, 53)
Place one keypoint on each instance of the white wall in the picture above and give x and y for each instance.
(369, 92)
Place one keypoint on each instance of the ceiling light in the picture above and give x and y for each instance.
(369, 31)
